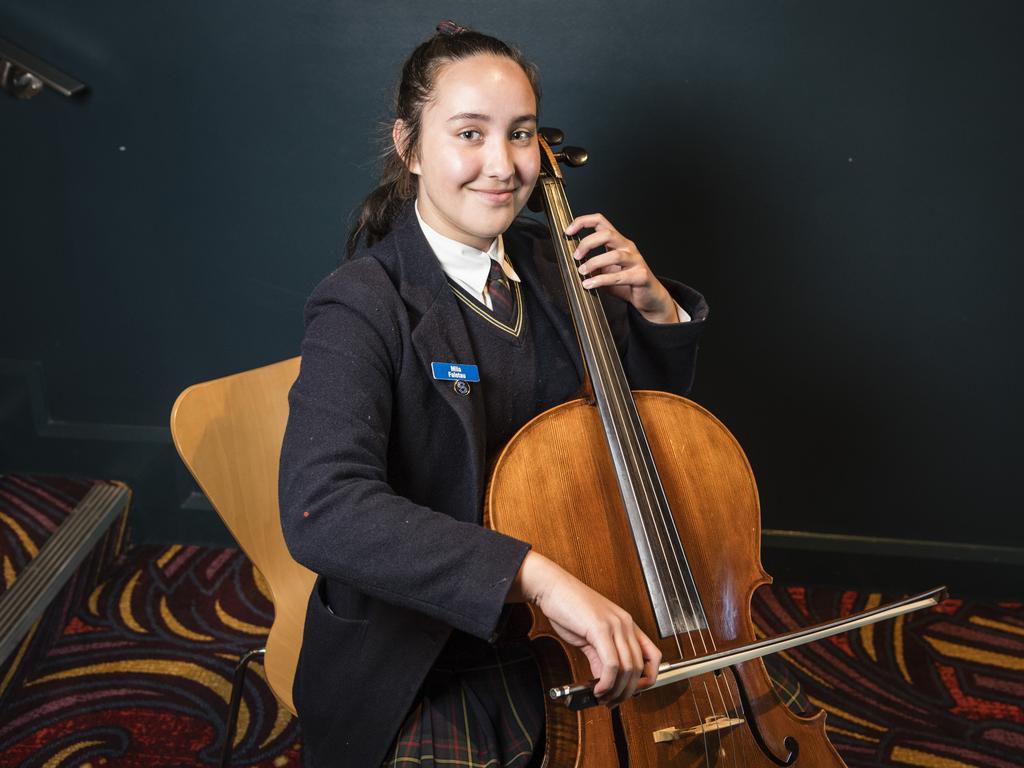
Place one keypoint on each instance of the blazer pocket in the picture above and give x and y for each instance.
(331, 647)
(342, 631)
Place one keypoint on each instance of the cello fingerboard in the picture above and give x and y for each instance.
(670, 586)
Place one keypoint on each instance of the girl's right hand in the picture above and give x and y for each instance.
(622, 658)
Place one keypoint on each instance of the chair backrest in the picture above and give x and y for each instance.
(229, 432)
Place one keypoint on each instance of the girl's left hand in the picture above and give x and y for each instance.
(621, 270)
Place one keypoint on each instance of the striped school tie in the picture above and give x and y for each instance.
(502, 303)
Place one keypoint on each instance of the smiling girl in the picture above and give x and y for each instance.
(424, 352)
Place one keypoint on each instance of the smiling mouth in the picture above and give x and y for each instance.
(496, 195)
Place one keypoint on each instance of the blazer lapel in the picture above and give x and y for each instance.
(440, 336)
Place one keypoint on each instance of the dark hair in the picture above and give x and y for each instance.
(397, 184)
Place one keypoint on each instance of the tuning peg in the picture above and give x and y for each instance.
(553, 136)
(574, 156)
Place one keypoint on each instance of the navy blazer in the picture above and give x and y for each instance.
(382, 477)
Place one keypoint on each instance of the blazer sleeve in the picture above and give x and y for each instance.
(659, 355)
(339, 515)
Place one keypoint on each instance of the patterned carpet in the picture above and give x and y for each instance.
(941, 688)
(142, 673)
(32, 509)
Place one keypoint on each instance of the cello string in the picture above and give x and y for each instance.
(614, 373)
(620, 399)
(649, 485)
(593, 314)
(559, 207)
(668, 520)
(599, 333)
(591, 321)
(653, 482)
(735, 700)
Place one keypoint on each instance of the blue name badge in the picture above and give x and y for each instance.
(455, 372)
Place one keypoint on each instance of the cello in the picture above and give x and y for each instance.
(647, 498)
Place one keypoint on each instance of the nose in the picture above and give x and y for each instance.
(499, 163)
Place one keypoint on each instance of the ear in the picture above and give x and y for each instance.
(400, 137)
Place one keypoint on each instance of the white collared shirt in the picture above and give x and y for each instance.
(466, 265)
(469, 266)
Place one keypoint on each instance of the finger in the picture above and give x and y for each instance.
(631, 656)
(652, 660)
(616, 257)
(630, 277)
(608, 670)
(638, 662)
(596, 240)
(628, 670)
(614, 268)
(588, 221)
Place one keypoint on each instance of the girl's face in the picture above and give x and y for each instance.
(477, 158)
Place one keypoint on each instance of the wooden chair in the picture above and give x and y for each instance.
(229, 432)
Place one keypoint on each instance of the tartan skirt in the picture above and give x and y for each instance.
(481, 706)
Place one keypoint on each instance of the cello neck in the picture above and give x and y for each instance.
(585, 307)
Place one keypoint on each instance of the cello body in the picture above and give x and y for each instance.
(554, 485)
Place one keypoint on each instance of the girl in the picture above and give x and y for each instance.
(383, 467)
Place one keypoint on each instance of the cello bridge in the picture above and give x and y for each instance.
(711, 724)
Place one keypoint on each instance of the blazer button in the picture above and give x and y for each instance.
(461, 387)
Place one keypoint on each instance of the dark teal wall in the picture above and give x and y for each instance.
(842, 180)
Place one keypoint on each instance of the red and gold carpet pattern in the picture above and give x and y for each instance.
(941, 688)
(141, 675)
(32, 508)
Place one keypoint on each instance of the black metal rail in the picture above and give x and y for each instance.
(24, 75)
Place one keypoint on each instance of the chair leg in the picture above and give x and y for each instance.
(236, 700)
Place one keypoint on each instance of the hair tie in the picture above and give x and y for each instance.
(450, 28)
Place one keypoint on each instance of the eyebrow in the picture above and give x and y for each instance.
(487, 118)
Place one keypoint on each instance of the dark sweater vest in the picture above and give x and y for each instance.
(525, 368)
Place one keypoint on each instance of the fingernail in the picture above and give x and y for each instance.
(588, 283)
